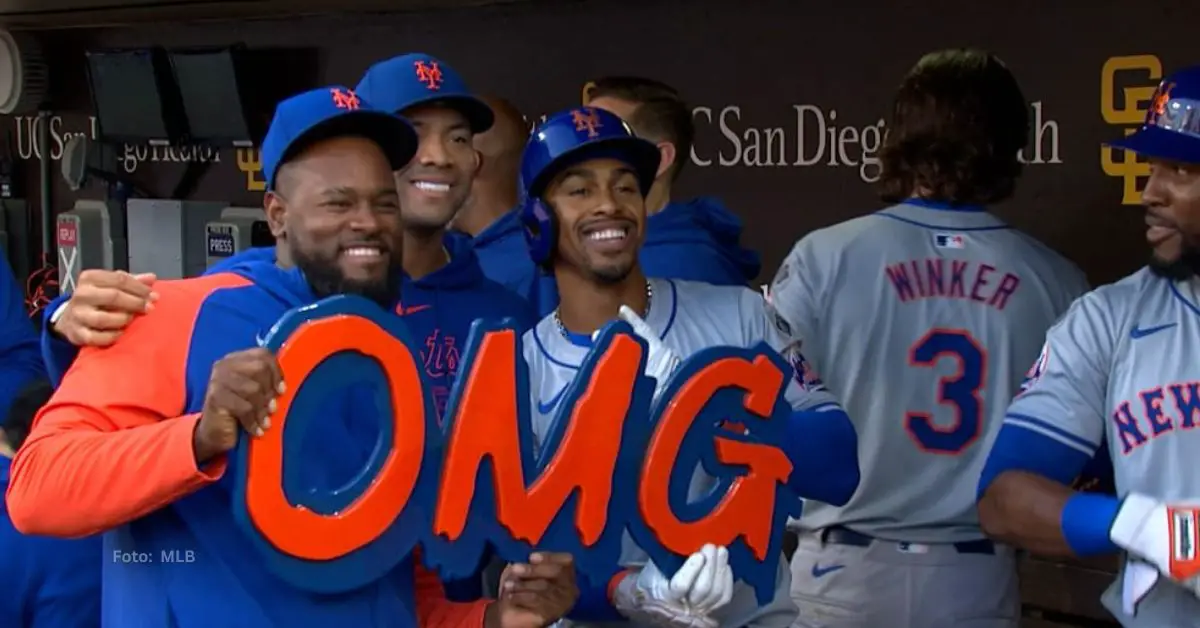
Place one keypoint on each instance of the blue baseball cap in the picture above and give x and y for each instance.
(330, 112)
(1172, 127)
(403, 82)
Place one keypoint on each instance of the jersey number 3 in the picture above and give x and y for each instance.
(958, 392)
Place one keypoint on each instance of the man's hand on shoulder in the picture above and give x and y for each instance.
(536, 594)
(102, 306)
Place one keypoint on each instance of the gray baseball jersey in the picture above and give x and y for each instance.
(1118, 368)
(688, 317)
(924, 321)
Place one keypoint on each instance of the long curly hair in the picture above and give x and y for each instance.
(958, 122)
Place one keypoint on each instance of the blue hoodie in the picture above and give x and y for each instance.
(20, 362)
(228, 311)
(695, 240)
(46, 582)
(698, 240)
(438, 310)
(504, 257)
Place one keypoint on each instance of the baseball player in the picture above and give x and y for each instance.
(923, 317)
(584, 182)
(134, 443)
(1117, 369)
(106, 302)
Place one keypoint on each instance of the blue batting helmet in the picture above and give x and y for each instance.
(567, 138)
(1172, 127)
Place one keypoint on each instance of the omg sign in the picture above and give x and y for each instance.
(612, 463)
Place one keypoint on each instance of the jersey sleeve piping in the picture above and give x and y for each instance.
(1049, 430)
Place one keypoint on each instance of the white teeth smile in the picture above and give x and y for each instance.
(607, 234)
(427, 186)
(363, 251)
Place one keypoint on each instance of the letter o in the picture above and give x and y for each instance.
(296, 530)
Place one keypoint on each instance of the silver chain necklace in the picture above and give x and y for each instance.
(562, 329)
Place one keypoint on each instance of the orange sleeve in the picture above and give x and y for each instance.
(111, 445)
(434, 610)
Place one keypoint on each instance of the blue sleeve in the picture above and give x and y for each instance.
(57, 353)
(20, 356)
(1020, 449)
(823, 448)
(1087, 517)
(593, 604)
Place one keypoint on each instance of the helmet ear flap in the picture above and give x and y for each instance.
(538, 222)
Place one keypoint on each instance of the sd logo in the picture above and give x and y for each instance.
(1127, 107)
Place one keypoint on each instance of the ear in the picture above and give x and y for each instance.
(667, 157)
(276, 209)
(478, 163)
(586, 97)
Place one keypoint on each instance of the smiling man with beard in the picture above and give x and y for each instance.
(443, 289)
(136, 442)
(1118, 369)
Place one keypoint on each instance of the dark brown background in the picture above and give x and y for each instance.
(763, 57)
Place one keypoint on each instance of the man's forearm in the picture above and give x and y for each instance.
(71, 479)
(1045, 517)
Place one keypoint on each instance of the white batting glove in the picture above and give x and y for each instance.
(661, 361)
(702, 585)
(1160, 539)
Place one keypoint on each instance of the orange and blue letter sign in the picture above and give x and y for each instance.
(611, 463)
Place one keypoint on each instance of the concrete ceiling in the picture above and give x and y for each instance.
(40, 14)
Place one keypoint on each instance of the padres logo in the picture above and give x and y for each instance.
(1127, 85)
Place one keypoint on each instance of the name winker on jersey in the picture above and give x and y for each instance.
(951, 278)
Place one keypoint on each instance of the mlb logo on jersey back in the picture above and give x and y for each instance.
(950, 240)
(1035, 372)
(802, 370)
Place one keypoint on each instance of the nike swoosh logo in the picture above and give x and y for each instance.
(414, 309)
(818, 570)
(259, 340)
(1137, 332)
(546, 407)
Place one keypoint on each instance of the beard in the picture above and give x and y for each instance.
(1186, 266)
(326, 280)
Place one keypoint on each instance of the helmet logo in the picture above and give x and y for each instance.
(587, 120)
(429, 74)
(1158, 105)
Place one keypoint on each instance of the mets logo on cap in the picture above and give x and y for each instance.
(345, 99)
(428, 73)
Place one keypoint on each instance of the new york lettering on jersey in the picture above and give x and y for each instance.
(948, 311)
(689, 317)
(1116, 369)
